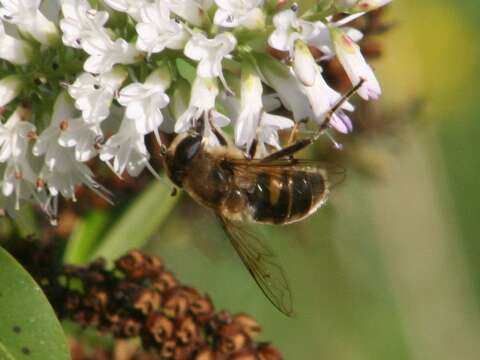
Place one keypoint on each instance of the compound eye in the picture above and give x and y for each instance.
(187, 149)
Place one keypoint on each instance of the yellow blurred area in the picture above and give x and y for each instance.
(432, 52)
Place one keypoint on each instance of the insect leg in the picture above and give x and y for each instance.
(294, 132)
(252, 149)
(291, 149)
(199, 126)
(218, 134)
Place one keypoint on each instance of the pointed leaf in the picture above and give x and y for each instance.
(137, 225)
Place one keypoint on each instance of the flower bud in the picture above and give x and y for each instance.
(352, 60)
(251, 106)
(304, 64)
(353, 6)
(256, 20)
(32, 23)
(279, 77)
(43, 30)
(10, 87)
(12, 49)
(161, 76)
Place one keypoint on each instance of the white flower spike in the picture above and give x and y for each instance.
(83, 27)
(30, 20)
(253, 121)
(232, 13)
(209, 53)
(304, 64)
(131, 7)
(322, 98)
(85, 138)
(157, 30)
(193, 11)
(172, 56)
(368, 5)
(251, 107)
(105, 53)
(352, 60)
(18, 180)
(94, 94)
(144, 102)
(14, 50)
(321, 38)
(126, 150)
(288, 88)
(202, 103)
(61, 173)
(80, 22)
(10, 87)
(268, 132)
(288, 29)
(15, 135)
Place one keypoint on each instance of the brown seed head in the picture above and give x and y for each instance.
(247, 324)
(147, 301)
(176, 304)
(232, 338)
(160, 327)
(187, 331)
(164, 281)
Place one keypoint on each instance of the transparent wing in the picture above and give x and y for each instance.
(261, 263)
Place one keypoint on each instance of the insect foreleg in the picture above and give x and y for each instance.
(291, 149)
(252, 149)
(294, 132)
(218, 134)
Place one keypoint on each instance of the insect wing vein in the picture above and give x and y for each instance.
(261, 264)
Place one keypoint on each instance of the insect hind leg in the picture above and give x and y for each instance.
(298, 145)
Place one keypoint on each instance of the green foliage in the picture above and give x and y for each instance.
(28, 326)
(87, 233)
(139, 222)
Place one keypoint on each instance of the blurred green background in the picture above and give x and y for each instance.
(391, 268)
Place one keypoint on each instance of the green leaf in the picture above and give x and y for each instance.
(186, 70)
(25, 222)
(29, 328)
(137, 225)
(86, 235)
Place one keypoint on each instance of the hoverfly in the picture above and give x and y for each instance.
(277, 189)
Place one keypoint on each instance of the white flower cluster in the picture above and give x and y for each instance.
(135, 67)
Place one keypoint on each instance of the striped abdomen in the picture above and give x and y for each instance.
(287, 197)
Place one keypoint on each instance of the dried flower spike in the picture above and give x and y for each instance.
(139, 298)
